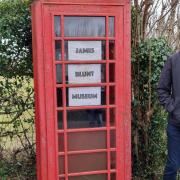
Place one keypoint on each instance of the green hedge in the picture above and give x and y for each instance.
(148, 118)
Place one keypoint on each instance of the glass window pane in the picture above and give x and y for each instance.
(112, 95)
(59, 74)
(87, 162)
(90, 177)
(85, 50)
(112, 117)
(111, 72)
(113, 176)
(111, 26)
(57, 25)
(84, 26)
(58, 50)
(61, 165)
(86, 96)
(113, 138)
(112, 50)
(85, 73)
(61, 142)
(60, 119)
(87, 140)
(113, 160)
(86, 118)
(59, 97)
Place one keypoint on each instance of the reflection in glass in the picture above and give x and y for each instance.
(68, 56)
(59, 74)
(86, 118)
(112, 117)
(87, 162)
(57, 25)
(86, 96)
(112, 50)
(84, 26)
(111, 26)
(87, 140)
(58, 50)
(90, 177)
(59, 97)
(61, 165)
(61, 142)
(60, 119)
(85, 73)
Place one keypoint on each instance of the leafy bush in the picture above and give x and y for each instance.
(148, 118)
(17, 142)
(15, 38)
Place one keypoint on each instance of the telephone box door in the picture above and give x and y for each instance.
(84, 69)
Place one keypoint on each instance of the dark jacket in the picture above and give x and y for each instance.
(168, 89)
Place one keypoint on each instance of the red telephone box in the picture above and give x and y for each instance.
(82, 78)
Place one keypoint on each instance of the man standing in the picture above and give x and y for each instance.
(169, 96)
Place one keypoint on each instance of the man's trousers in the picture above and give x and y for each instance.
(173, 160)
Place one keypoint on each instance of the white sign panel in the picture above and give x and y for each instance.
(84, 50)
(85, 96)
(86, 73)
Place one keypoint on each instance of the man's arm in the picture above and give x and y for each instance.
(164, 88)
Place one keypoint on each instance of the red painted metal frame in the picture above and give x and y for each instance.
(38, 57)
(45, 85)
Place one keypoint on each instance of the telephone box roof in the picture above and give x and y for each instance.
(108, 2)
